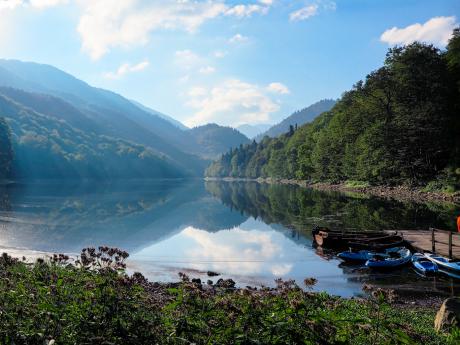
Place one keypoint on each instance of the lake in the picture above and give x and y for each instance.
(251, 232)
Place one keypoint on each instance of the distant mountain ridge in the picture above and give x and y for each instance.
(217, 139)
(37, 89)
(299, 118)
(251, 131)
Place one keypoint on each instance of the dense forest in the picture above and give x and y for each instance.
(6, 151)
(61, 127)
(214, 139)
(41, 146)
(399, 126)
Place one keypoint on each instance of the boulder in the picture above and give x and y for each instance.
(448, 315)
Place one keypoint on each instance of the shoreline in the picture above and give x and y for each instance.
(401, 297)
(399, 193)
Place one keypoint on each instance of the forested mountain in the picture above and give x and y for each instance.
(214, 139)
(176, 123)
(103, 119)
(48, 147)
(400, 125)
(109, 113)
(298, 118)
(6, 151)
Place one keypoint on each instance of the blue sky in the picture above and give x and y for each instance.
(229, 62)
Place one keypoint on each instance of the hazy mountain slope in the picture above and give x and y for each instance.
(55, 93)
(299, 117)
(48, 147)
(251, 131)
(176, 123)
(214, 139)
(112, 114)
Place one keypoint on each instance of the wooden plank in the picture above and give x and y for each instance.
(443, 242)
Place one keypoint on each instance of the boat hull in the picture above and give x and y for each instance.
(390, 262)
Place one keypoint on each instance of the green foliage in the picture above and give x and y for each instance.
(45, 147)
(399, 126)
(95, 302)
(6, 150)
(356, 184)
(213, 139)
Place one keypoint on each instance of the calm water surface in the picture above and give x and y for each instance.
(251, 232)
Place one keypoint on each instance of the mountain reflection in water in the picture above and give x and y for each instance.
(251, 232)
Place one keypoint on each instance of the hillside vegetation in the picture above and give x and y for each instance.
(63, 128)
(214, 139)
(298, 118)
(6, 151)
(44, 147)
(399, 126)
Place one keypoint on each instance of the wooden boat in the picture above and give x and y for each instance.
(375, 240)
(444, 263)
(378, 244)
(397, 257)
(423, 264)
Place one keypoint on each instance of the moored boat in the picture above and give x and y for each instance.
(325, 237)
(397, 257)
(423, 264)
(356, 256)
(364, 255)
(443, 262)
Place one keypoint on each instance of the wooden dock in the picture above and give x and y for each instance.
(442, 242)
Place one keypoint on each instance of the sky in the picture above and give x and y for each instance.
(229, 62)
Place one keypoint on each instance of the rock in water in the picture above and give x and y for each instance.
(448, 315)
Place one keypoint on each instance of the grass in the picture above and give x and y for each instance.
(93, 301)
(356, 184)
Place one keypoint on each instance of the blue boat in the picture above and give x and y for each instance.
(443, 262)
(423, 264)
(396, 257)
(360, 256)
(364, 255)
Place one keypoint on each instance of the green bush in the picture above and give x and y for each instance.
(93, 301)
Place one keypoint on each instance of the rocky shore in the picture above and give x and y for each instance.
(401, 193)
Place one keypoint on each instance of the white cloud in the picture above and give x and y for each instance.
(40, 4)
(278, 88)
(266, 2)
(127, 68)
(184, 79)
(207, 70)
(304, 13)
(233, 102)
(238, 38)
(47, 3)
(186, 58)
(106, 24)
(437, 31)
(197, 91)
(246, 10)
(219, 54)
(10, 4)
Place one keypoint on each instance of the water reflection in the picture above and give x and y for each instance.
(251, 232)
